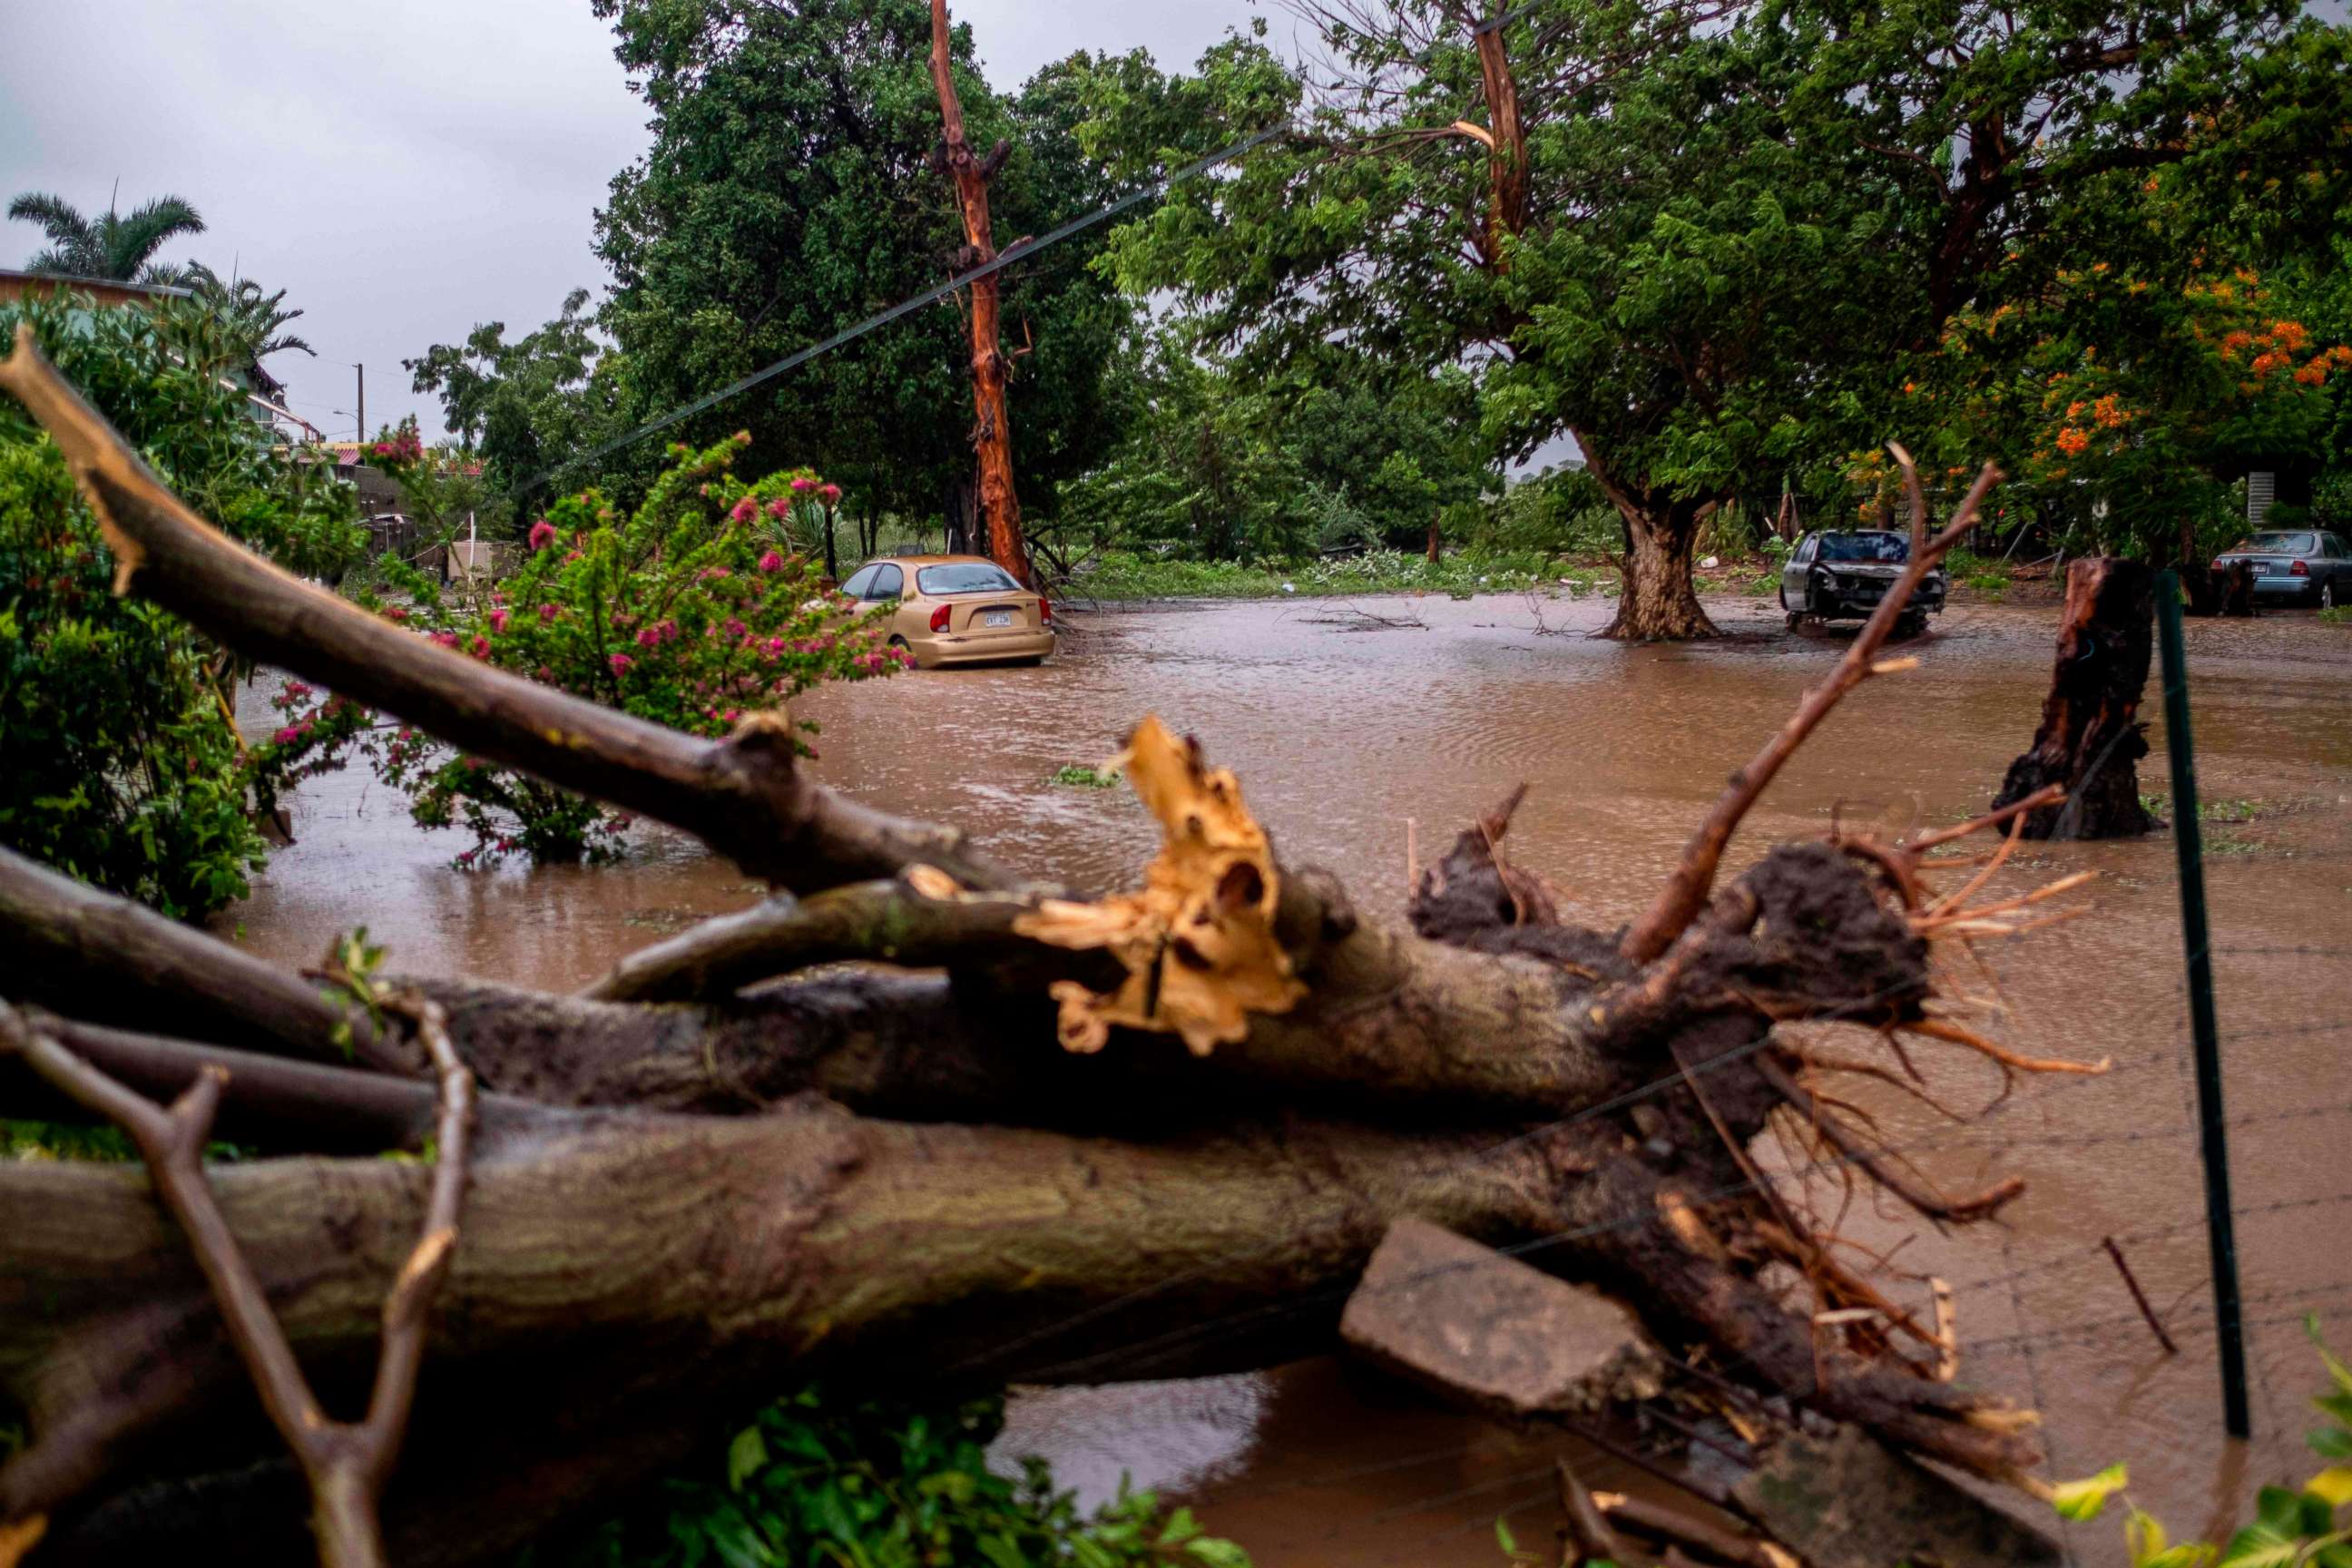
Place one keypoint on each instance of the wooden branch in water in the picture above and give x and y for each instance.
(1685, 894)
(345, 1464)
(743, 796)
(81, 950)
(889, 923)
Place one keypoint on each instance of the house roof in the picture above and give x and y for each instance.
(16, 283)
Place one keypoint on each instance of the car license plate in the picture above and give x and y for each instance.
(996, 617)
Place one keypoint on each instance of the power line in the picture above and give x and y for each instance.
(961, 280)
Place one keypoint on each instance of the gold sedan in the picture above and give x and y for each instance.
(957, 609)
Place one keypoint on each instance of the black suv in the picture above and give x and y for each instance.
(1842, 576)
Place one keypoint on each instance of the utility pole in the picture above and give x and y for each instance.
(363, 413)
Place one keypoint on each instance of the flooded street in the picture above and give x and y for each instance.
(1343, 730)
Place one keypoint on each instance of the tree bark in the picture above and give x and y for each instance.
(2090, 740)
(993, 428)
(1658, 601)
(1506, 154)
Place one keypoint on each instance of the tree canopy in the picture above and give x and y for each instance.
(118, 246)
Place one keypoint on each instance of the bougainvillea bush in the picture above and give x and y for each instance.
(691, 611)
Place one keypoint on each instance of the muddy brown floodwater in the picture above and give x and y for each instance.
(1342, 735)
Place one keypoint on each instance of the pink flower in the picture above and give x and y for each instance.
(543, 674)
(802, 485)
(294, 690)
(829, 494)
(394, 613)
(649, 637)
(780, 508)
(716, 574)
(543, 534)
(498, 620)
(622, 663)
(771, 562)
(734, 628)
(745, 509)
(547, 613)
(481, 646)
(289, 735)
(446, 639)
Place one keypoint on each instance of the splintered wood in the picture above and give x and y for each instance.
(1197, 941)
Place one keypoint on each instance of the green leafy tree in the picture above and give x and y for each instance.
(524, 404)
(1712, 254)
(1223, 465)
(789, 191)
(118, 246)
(254, 321)
(123, 765)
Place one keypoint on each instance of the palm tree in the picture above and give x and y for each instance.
(251, 317)
(114, 246)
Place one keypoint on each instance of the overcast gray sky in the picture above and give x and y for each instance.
(404, 170)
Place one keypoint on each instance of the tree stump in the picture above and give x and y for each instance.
(2090, 740)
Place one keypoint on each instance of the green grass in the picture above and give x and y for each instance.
(1119, 575)
(2337, 615)
(2222, 811)
(1077, 776)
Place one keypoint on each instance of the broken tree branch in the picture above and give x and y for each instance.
(1685, 894)
(891, 923)
(73, 947)
(345, 1464)
(743, 796)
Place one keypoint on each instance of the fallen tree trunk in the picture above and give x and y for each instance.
(2090, 740)
(718, 1173)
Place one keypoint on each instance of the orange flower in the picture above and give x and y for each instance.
(2312, 374)
(2072, 441)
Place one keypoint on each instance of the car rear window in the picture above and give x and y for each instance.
(2277, 544)
(965, 577)
(1890, 548)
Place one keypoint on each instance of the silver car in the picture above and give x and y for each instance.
(2307, 566)
(1841, 575)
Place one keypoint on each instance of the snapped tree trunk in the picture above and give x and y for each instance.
(2090, 740)
(992, 433)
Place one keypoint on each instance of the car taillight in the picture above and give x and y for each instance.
(939, 617)
(2298, 569)
(1044, 611)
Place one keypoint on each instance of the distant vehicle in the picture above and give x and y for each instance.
(957, 609)
(2310, 566)
(1834, 575)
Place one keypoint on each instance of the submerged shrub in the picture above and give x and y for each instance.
(692, 610)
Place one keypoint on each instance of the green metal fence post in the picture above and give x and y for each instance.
(2187, 843)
